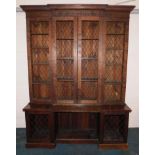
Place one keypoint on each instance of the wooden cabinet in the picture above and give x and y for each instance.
(77, 60)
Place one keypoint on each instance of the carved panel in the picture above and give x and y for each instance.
(77, 13)
(114, 130)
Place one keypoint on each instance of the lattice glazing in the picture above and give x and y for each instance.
(90, 29)
(41, 91)
(113, 73)
(89, 69)
(114, 128)
(90, 48)
(40, 41)
(65, 68)
(64, 29)
(40, 55)
(39, 27)
(114, 57)
(40, 73)
(39, 126)
(64, 48)
(89, 90)
(65, 90)
(115, 28)
(112, 92)
(114, 42)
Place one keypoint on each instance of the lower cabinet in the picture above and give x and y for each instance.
(45, 128)
(77, 127)
(40, 131)
(114, 130)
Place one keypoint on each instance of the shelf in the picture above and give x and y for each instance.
(39, 48)
(42, 98)
(39, 34)
(113, 49)
(64, 39)
(65, 78)
(77, 133)
(89, 79)
(112, 82)
(114, 34)
(89, 58)
(65, 58)
(40, 63)
(113, 64)
(41, 82)
(89, 39)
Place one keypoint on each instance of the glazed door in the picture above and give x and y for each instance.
(65, 59)
(115, 61)
(77, 57)
(89, 60)
(38, 56)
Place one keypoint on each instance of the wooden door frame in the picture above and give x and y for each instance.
(100, 56)
(53, 55)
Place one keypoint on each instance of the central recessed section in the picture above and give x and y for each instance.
(79, 125)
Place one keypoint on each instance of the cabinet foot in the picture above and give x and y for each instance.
(114, 146)
(41, 145)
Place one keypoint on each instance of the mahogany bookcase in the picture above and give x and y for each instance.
(77, 63)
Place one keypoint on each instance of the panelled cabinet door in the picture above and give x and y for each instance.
(65, 56)
(88, 59)
(40, 75)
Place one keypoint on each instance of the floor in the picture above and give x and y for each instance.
(77, 149)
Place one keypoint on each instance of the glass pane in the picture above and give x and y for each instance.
(65, 60)
(64, 29)
(64, 48)
(40, 73)
(88, 90)
(115, 28)
(65, 90)
(40, 56)
(38, 124)
(89, 69)
(90, 29)
(90, 48)
(114, 128)
(65, 68)
(40, 41)
(113, 73)
(89, 60)
(112, 92)
(39, 49)
(114, 60)
(115, 42)
(39, 27)
(114, 57)
(41, 91)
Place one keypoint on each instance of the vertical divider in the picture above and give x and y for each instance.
(100, 61)
(53, 56)
(79, 57)
(75, 55)
(50, 58)
(103, 58)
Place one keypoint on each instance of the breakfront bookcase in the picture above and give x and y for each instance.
(77, 63)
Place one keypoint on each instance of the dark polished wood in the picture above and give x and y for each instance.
(40, 145)
(114, 146)
(77, 64)
(77, 141)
